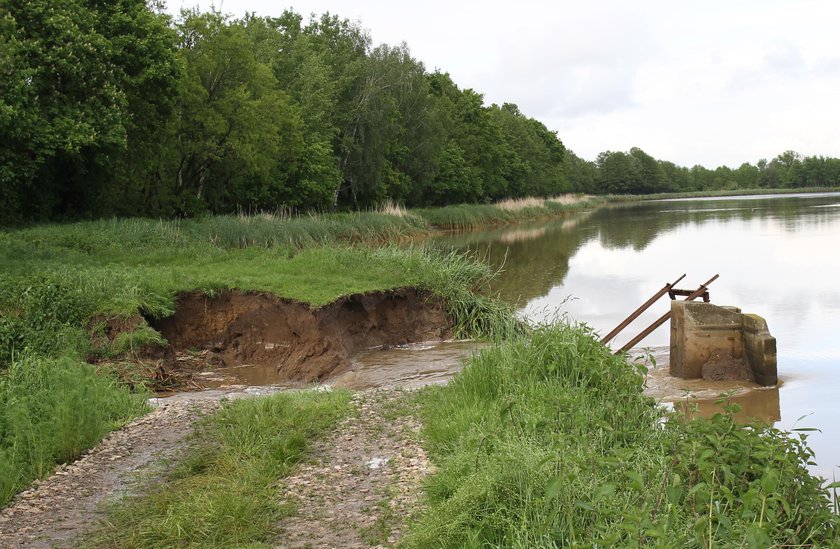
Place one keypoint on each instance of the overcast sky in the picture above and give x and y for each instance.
(703, 82)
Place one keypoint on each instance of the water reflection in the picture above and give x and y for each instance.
(761, 404)
(776, 256)
(513, 249)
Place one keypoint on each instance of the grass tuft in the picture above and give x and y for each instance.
(224, 493)
(52, 410)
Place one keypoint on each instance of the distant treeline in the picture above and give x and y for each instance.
(113, 108)
(636, 172)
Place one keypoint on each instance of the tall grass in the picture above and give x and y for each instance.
(548, 441)
(52, 410)
(224, 493)
(472, 216)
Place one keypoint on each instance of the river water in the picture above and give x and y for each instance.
(777, 256)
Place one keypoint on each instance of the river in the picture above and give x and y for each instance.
(777, 256)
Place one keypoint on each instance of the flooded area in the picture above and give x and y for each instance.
(408, 366)
(776, 256)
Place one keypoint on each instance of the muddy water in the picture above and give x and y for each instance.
(405, 366)
(777, 256)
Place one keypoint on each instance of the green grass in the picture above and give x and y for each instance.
(54, 279)
(52, 410)
(225, 492)
(548, 441)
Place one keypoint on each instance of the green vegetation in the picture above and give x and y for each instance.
(116, 109)
(637, 173)
(121, 267)
(52, 410)
(59, 285)
(548, 441)
(712, 193)
(223, 492)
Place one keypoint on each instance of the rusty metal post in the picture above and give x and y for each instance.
(635, 314)
(661, 320)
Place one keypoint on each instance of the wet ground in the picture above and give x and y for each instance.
(408, 366)
(419, 364)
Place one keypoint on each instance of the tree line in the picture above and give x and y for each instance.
(114, 108)
(636, 172)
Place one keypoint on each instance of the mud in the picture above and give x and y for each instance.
(297, 342)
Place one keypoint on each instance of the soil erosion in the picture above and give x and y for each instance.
(303, 344)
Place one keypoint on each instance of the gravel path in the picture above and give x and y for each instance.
(57, 509)
(359, 489)
(364, 482)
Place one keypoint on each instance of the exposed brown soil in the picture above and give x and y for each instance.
(303, 344)
(721, 366)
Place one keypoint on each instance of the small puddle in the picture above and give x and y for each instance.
(409, 366)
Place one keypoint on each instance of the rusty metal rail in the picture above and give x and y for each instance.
(667, 289)
(701, 291)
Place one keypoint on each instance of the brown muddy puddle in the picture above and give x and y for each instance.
(409, 366)
(418, 364)
(706, 398)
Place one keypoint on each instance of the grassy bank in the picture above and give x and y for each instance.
(713, 194)
(60, 286)
(52, 410)
(548, 441)
(223, 493)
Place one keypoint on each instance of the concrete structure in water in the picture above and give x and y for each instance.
(720, 343)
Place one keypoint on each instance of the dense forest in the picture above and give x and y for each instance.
(113, 108)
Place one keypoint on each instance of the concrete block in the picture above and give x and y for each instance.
(720, 343)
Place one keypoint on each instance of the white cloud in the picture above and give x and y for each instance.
(710, 83)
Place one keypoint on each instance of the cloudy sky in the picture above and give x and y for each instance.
(711, 82)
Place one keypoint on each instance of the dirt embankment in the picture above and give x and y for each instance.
(303, 343)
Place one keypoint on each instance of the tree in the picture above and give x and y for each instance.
(239, 136)
(539, 153)
(648, 173)
(79, 81)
